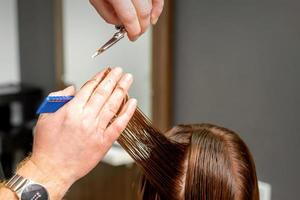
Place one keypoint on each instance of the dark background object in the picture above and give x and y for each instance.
(237, 65)
(1, 172)
(16, 135)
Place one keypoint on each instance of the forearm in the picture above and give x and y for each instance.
(55, 187)
(6, 193)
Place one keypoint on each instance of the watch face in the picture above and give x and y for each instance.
(34, 192)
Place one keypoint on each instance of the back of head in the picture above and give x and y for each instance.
(217, 165)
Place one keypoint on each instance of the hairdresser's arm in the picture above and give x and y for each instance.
(69, 143)
(135, 15)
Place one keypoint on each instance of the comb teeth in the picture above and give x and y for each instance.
(59, 98)
(52, 103)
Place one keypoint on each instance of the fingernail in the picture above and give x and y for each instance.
(118, 70)
(154, 20)
(126, 81)
(135, 38)
(128, 77)
(133, 102)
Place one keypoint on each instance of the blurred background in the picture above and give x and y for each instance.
(232, 63)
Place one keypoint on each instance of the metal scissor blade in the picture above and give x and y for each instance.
(104, 47)
(116, 37)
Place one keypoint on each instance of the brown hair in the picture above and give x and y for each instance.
(199, 161)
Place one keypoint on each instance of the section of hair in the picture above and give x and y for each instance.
(198, 161)
(160, 158)
(220, 165)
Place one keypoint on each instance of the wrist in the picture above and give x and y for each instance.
(56, 186)
(6, 193)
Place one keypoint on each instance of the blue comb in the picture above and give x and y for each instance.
(52, 103)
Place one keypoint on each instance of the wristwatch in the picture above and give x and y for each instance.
(27, 189)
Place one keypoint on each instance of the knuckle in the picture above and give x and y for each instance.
(126, 118)
(109, 83)
(69, 115)
(88, 111)
(93, 81)
(102, 91)
(85, 124)
(112, 109)
(145, 14)
(69, 121)
(99, 140)
(100, 130)
(117, 128)
(121, 89)
(129, 18)
(158, 8)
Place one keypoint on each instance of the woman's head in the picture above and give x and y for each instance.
(217, 165)
(199, 161)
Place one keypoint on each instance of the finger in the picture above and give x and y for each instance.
(143, 10)
(69, 91)
(128, 16)
(88, 88)
(106, 11)
(157, 8)
(102, 92)
(119, 124)
(114, 102)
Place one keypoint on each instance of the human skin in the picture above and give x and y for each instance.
(135, 15)
(70, 142)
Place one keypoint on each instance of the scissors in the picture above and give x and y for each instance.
(116, 37)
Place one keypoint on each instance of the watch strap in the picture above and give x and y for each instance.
(17, 183)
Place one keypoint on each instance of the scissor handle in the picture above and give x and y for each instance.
(119, 27)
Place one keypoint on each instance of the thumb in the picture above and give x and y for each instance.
(69, 91)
